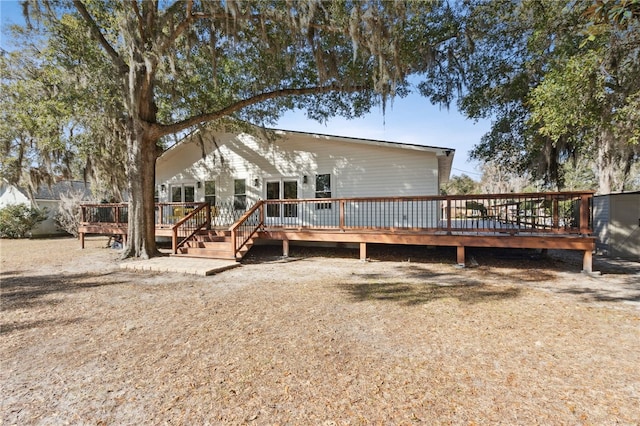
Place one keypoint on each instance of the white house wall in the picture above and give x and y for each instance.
(10, 195)
(48, 226)
(357, 169)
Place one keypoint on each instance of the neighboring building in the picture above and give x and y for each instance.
(11, 194)
(239, 169)
(616, 223)
(46, 197)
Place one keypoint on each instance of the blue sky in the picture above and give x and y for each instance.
(410, 120)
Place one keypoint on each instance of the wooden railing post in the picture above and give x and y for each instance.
(116, 215)
(342, 214)
(584, 214)
(448, 215)
(174, 240)
(261, 207)
(556, 213)
(234, 241)
(208, 216)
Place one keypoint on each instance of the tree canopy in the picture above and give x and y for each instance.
(559, 79)
(147, 70)
(97, 86)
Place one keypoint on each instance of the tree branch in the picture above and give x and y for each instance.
(160, 130)
(182, 26)
(95, 31)
(143, 37)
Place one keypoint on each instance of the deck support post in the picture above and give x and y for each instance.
(363, 251)
(587, 261)
(81, 239)
(285, 248)
(460, 255)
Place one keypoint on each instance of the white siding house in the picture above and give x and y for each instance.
(10, 194)
(45, 198)
(240, 169)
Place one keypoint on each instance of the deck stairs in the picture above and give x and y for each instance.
(212, 244)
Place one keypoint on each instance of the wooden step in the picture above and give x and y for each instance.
(222, 245)
(210, 244)
(208, 237)
(206, 252)
(214, 233)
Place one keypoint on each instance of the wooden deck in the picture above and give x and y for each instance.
(559, 220)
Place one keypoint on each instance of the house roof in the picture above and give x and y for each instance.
(349, 139)
(437, 149)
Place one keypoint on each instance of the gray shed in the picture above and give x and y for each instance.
(616, 224)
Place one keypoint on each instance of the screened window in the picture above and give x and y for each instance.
(323, 190)
(210, 192)
(239, 194)
(176, 194)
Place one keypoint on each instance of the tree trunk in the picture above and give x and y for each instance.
(141, 159)
(604, 162)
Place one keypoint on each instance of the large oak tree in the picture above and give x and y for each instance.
(155, 68)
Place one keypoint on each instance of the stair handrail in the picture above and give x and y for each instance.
(240, 222)
(175, 245)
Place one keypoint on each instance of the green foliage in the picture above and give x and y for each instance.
(138, 72)
(556, 88)
(458, 185)
(54, 123)
(16, 220)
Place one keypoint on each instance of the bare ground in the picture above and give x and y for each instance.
(404, 339)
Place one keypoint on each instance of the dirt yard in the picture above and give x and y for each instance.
(406, 338)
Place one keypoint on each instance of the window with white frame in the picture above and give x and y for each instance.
(239, 194)
(323, 190)
(210, 192)
(183, 193)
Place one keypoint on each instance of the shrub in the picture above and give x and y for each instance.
(16, 220)
(69, 213)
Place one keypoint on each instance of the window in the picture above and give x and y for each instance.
(210, 192)
(176, 194)
(323, 190)
(189, 193)
(239, 194)
(183, 193)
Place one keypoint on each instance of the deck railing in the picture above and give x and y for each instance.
(246, 227)
(104, 213)
(186, 227)
(166, 214)
(521, 213)
(548, 212)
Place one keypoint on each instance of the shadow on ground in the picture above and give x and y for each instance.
(417, 294)
(8, 328)
(25, 291)
(602, 295)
